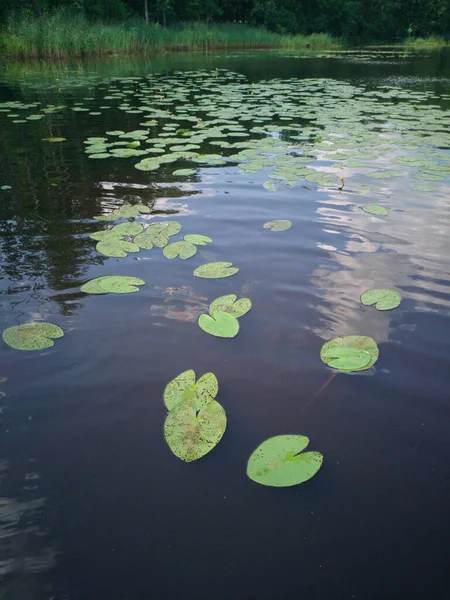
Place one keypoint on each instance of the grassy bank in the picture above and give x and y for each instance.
(432, 41)
(61, 35)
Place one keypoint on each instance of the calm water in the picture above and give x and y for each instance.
(93, 505)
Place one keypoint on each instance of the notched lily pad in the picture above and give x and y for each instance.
(278, 225)
(384, 299)
(116, 248)
(230, 304)
(376, 209)
(281, 462)
(216, 270)
(339, 353)
(182, 249)
(197, 239)
(113, 284)
(32, 336)
(220, 324)
(184, 387)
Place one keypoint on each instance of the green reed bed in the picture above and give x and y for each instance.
(61, 34)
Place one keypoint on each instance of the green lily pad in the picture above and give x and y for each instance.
(220, 324)
(346, 358)
(127, 229)
(216, 270)
(280, 462)
(116, 248)
(54, 140)
(184, 387)
(331, 352)
(146, 242)
(197, 239)
(278, 225)
(182, 249)
(112, 284)
(386, 174)
(5, 188)
(270, 186)
(376, 209)
(100, 155)
(230, 304)
(32, 336)
(105, 236)
(191, 435)
(184, 172)
(148, 164)
(384, 299)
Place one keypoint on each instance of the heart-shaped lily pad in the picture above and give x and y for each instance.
(332, 354)
(190, 435)
(384, 299)
(182, 249)
(280, 462)
(278, 225)
(197, 239)
(184, 172)
(230, 304)
(376, 209)
(112, 284)
(219, 324)
(129, 229)
(116, 248)
(32, 336)
(216, 270)
(184, 387)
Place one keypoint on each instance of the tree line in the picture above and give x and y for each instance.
(386, 20)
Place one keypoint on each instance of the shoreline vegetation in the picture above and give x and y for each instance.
(55, 36)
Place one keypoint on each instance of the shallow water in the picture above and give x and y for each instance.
(92, 502)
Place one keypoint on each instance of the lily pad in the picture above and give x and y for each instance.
(270, 186)
(220, 324)
(184, 387)
(278, 225)
(197, 239)
(230, 304)
(216, 270)
(117, 249)
(127, 229)
(184, 172)
(54, 139)
(332, 351)
(5, 188)
(384, 299)
(376, 209)
(280, 462)
(182, 249)
(112, 284)
(32, 336)
(191, 435)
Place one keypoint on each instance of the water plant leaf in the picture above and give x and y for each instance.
(280, 462)
(330, 351)
(384, 299)
(197, 239)
(184, 172)
(190, 435)
(114, 284)
(32, 336)
(4, 188)
(219, 324)
(148, 164)
(346, 358)
(184, 387)
(116, 248)
(54, 139)
(376, 209)
(216, 270)
(278, 225)
(127, 229)
(230, 304)
(270, 186)
(182, 249)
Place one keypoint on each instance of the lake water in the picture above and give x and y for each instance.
(94, 505)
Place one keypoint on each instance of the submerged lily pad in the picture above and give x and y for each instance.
(182, 249)
(191, 435)
(219, 324)
(112, 284)
(32, 336)
(280, 462)
(376, 209)
(184, 387)
(339, 353)
(230, 304)
(216, 270)
(278, 225)
(384, 299)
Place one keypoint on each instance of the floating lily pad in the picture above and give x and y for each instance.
(184, 172)
(182, 249)
(191, 435)
(270, 186)
(384, 299)
(216, 270)
(197, 239)
(100, 155)
(117, 249)
(331, 352)
(220, 324)
(376, 209)
(127, 229)
(105, 236)
(386, 174)
(230, 304)
(112, 284)
(278, 225)
(32, 336)
(280, 462)
(148, 164)
(184, 387)
(5, 188)
(54, 139)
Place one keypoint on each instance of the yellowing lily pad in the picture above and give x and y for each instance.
(184, 387)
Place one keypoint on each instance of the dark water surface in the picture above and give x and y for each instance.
(93, 505)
